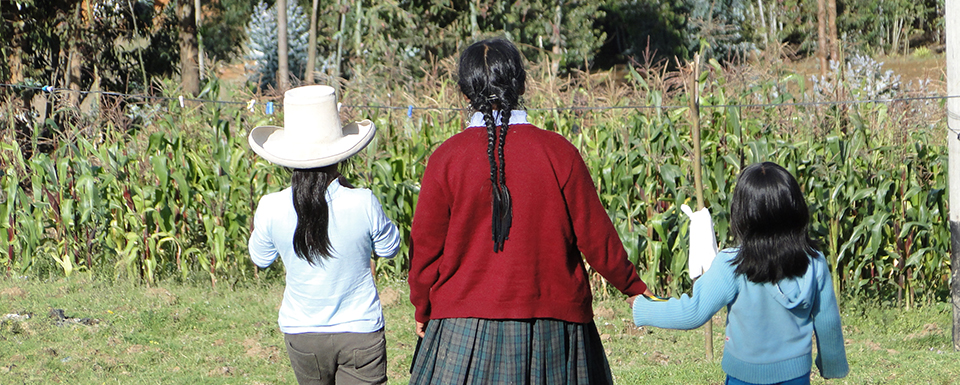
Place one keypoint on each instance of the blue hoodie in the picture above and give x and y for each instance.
(769, 326)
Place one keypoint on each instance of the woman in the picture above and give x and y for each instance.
(505, 211)
(325, 233)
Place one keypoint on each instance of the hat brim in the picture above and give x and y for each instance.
(270, 143)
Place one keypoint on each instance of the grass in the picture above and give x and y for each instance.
(117, 333)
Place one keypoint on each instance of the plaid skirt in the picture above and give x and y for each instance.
(539, 351)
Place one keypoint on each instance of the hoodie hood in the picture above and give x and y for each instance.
(797, 292)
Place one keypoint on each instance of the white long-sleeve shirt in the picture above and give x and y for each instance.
(338, 295)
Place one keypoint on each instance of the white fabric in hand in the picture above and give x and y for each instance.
(703, 241)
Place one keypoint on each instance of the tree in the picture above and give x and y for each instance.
(263, 45)
(189, 71)
(311, 45)
(822, 47)
(283, 68)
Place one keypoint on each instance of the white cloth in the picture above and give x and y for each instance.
(338, 295)
(516, 117)
(703, 241)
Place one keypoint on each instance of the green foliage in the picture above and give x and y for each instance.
(262, 32)
(120, 45)
(222, 28)
(717, 28)
(885, 26)
(644, 31)
(172, 195)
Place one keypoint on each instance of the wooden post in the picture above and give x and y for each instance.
(698, 175)
(311, 45)
(952, 20)
(198, 15)
(283, 66)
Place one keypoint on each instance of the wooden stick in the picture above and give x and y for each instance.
(698, 177)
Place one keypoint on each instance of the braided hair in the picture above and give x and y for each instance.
(493, 79)
(311, 242)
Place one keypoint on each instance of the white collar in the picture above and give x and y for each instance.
(516, 117)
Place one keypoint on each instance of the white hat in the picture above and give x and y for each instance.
(312, 135)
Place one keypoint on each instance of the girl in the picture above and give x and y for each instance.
(776, 287)
(504, 213)
(325, 232)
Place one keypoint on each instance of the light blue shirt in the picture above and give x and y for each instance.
(338, 295)
(769, 325)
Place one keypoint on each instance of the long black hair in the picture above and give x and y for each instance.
(769, 217)
(310, 239)
(492, 78)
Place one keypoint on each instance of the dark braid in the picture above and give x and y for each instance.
(492, 77)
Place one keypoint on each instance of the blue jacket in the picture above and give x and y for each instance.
(769, 326)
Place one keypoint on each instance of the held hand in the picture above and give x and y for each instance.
(421, 329)
(647, 293)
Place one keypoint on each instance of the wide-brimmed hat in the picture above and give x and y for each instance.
(312, 135)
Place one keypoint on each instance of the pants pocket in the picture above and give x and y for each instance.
(306, 366)
(370, 363)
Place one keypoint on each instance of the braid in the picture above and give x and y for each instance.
(492, 76)
(504, 125)
(491, 141)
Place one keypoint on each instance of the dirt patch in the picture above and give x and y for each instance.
(928, 329)
(223, 371)
(389, 296)
(629, 328)
(660, 358)
(255, 350)
(909, 68)
(875, 346)
(13, 292)
(603, 312)
(165, 296)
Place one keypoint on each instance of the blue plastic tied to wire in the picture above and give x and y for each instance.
(269, 108)
(47, 88)
(410, 111)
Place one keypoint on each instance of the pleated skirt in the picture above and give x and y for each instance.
(536, 352)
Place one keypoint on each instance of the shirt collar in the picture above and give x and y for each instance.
(516, 117)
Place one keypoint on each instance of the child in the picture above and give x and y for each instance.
(776, 287)
(325, 232)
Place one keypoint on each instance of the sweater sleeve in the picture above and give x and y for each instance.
(427, 233)
(711, 292)
(597, 239)
(831, 354)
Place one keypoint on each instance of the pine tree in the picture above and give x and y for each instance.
(262, 35)
(719, 24)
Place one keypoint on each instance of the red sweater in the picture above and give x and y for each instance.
(557, 215)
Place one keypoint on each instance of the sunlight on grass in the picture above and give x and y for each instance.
(127, 334)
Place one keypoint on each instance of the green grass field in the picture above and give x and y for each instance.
(183, 334)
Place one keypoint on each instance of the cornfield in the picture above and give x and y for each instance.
(156, 192)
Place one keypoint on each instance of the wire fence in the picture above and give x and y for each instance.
(269, 106)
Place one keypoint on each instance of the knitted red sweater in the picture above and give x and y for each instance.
(557, 215)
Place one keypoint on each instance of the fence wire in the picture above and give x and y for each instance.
(411, 108)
